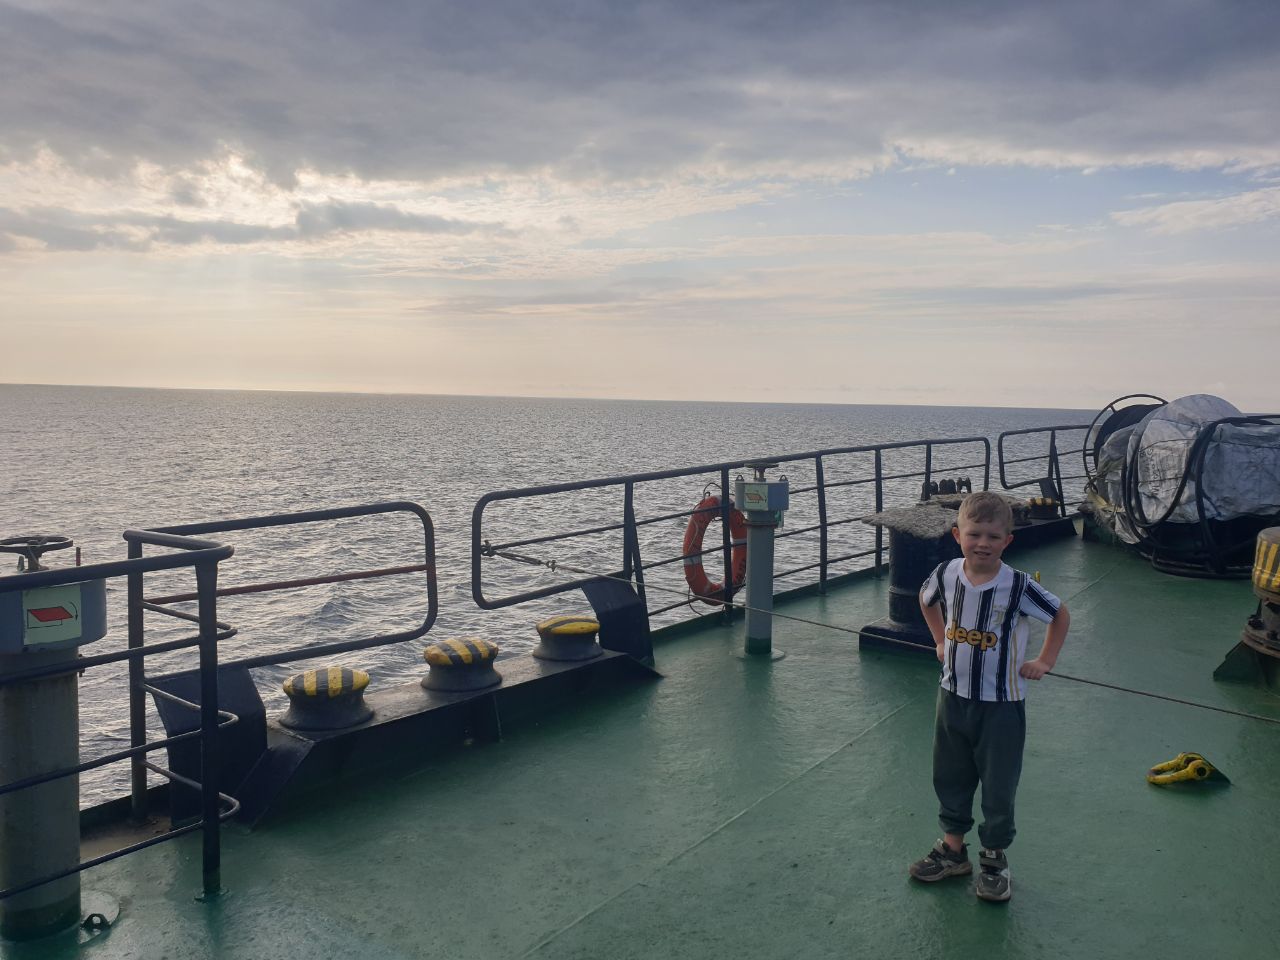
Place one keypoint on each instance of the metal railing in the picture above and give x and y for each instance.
(204, 556)
(1051, 482)
(138, 604)
(633, 565)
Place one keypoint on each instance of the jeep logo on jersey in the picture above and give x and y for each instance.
(977, 638)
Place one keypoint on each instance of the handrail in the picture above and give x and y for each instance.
(320, 516)
(203, 556)
(137, 604)
(633, 566)
(1053, 475)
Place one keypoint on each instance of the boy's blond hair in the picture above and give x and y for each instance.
(987, 507)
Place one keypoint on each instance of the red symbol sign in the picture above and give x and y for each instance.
(52, 614)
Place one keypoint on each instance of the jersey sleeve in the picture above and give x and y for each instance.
(1038, 603)
(931, 590)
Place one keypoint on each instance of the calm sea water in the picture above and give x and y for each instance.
(90, 462)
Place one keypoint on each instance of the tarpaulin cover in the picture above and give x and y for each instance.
(1241, 470)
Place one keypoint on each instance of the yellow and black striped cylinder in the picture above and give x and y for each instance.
(1043, 508)
(329, 698)
(568, 638)
(460, 664)
(1266, 565)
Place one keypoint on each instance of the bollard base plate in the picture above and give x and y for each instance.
(762, 655)
(905, 638)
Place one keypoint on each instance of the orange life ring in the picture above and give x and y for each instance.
(694, 572)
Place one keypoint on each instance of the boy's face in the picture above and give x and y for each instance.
(982, 542)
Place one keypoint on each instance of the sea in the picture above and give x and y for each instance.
(91, 462)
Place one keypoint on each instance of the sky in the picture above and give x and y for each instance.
(992, 203)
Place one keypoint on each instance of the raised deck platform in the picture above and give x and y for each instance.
(757, 809)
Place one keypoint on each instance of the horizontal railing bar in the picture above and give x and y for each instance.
(155, 691)
(292, 519)
(292, 584)
(671, 606)
(481, 548)
(233, 807)
(105, 858)
(852, 556)
(553, 537)
(795, 570)
(96, 762)
(714, 468)
(83, 663)
(841, 522)
(189, 617)
(935, 471)
(116, 568)
(795, 533)
(1038, 456)
(830, 484)
(1025, 430)
(681, 558)
(648, 521)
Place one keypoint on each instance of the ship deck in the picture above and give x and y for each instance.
(768, 809)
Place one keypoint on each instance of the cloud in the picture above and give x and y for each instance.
(582, 93)
(69, 230)
(62, 230)
(1185, 216)
(335, 216)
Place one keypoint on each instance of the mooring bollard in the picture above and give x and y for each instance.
(568, 638)
(461, 664)
(330, 698)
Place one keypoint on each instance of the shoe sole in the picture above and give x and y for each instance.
(993, 899)
(957, 872)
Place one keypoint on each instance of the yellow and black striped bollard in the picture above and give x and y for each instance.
(568, 638)
(329, 698)
(461, 664)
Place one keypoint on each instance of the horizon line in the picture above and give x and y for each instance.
(502, 396)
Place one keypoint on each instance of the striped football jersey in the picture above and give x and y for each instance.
(986, 628)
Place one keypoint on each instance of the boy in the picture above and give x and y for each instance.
(976, 608)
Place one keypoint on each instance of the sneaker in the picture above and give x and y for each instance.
(993, 876)
(941, 862)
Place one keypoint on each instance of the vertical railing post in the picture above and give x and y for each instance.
(206, 588)
(822, 524)
(632, 565)
(1055, 472)
(986, 469)
(726, 540)
(879, 507)
(928, 463)
(137, 696)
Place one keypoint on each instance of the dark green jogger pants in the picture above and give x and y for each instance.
(978, 741)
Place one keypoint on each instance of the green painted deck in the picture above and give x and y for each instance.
(754, 809)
